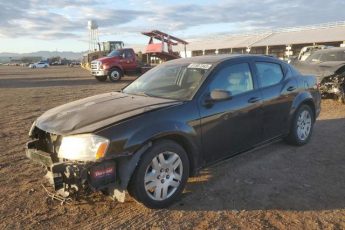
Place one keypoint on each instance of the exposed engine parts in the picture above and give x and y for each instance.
(334, 85)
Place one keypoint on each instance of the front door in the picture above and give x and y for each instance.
(129, 61)
(233, 125)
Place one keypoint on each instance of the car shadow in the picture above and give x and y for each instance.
(276, 177)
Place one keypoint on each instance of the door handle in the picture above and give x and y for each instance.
(291, 88)
(254, 99)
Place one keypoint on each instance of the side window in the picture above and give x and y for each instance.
(128, 54)
(269, 73)
(235, 78)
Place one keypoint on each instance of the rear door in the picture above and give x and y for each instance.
(278, 88)
(236, 124)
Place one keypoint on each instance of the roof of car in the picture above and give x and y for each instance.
(334, 49)
(216, 58)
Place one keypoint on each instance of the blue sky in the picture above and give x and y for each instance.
(33, 25)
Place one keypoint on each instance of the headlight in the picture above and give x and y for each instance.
(84, 147)
(32, 128)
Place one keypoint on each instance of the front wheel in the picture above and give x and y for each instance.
(302, 126)
(101, 78)
(161, 175)
(115, 75)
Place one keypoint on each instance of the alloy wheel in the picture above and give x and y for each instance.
(303, 125)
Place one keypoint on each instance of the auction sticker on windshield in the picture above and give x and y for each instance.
(199, 66)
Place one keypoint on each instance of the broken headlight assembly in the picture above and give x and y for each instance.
(84, 147)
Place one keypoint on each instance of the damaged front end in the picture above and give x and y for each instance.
(333, 85)
(80, 172)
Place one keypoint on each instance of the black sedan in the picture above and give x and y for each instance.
(178, 117)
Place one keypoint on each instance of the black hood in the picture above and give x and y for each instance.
(92, 113)
(320, 70)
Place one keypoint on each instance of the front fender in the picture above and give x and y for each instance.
(139, 142)
(159, 130)
(180, 132)
(114, 65)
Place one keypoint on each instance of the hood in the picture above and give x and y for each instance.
(92, 113)
(107, 59)
(320, 70)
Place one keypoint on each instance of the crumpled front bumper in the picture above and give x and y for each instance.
(73, 177)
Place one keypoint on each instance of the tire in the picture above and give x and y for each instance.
(101, 78)
(156, 185)
(302, 126)
(115, 75)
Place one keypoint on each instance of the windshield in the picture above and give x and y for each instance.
(328, 55)
(178, 81)
(114, 53)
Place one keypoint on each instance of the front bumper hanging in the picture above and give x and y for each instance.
(68, 178)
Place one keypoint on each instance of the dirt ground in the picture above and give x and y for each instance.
(277, 186)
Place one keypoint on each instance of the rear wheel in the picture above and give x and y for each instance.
(101, 78)
(115, 74)
(161, 175)
(302, 126)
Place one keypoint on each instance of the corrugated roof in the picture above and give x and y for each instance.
(329, 32)
(317, 35)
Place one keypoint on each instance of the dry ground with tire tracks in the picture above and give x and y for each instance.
(276, 186)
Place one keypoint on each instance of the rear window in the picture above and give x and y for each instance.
(269, 73)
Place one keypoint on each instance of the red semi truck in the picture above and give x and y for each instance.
(115, 65)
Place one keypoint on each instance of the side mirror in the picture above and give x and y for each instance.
(220, 95)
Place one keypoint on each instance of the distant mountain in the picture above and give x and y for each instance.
(46, 54)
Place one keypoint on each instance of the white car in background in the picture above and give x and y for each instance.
(40, 64)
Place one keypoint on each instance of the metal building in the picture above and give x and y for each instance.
(273, 42)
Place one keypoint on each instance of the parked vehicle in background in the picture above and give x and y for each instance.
(115, 65)
(104, 48)
(74, 63)
(176, 118)
(41, 64)
(328, 66)
(308, 50)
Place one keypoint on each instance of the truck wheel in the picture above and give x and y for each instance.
(115, 74)
(161, 175)
(302, 126)
(101, 78)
